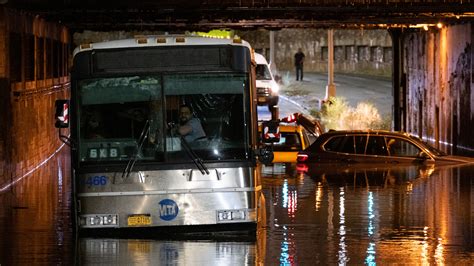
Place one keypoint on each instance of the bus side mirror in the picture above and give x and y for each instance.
(270, 131)
(62, 114)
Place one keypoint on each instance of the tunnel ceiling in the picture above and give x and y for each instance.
(242, 14)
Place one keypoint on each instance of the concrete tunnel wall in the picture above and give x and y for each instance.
(438, 67)
(360, 52)
(33, 73)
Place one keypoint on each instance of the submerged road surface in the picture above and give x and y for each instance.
(417, 215)
(411, 215)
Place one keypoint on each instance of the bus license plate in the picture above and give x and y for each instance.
(261, 99)
(139, 219)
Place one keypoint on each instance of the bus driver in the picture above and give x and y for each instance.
(189, 127)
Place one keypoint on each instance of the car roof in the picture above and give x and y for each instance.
(290, 128)
(286, 127)
(368, 132)
(260, 59)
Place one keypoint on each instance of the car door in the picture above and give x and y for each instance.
(375, 150)
(402, 151)
(339, 149)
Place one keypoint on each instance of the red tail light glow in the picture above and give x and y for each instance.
(289, 119)
(302, 157)
(301, 168)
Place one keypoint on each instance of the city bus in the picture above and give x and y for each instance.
(131, 167)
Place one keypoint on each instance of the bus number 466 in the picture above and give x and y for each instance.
(96, 180)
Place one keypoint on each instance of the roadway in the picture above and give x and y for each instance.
(286, 107)
(304, 96)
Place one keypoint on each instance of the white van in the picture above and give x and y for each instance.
(267, 88)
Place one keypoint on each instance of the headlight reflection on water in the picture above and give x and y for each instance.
(342, 254)
(319, 196)
(290, 199)
(287, 249)
(370, 259)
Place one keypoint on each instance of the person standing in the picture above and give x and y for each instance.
(299, 60)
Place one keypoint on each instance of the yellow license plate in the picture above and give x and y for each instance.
(261, 99)
(139, 220)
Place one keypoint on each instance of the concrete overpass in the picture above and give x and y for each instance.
(432, 82)
(274, 14)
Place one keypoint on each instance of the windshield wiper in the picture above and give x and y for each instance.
(196, 159)
(141, 140)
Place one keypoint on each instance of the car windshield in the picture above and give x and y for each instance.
(143, 117)
(263, 73)
(289, 141)
(432, 149)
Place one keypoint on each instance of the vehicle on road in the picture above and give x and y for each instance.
(267, 87)
(293, 138)
(130, 169)
(297, 132)
(374, 146)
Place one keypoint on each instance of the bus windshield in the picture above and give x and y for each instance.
(144, 117)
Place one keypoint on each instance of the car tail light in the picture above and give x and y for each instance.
(302, 157)
(289, 119)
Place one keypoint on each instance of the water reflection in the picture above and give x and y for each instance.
(318, 196)
(342, 254)
(35, 218)
(153, 252)
(370, 258)
(374, 215)
(287, 253)
(410, 215)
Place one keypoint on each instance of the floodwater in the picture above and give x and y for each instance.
(411, 215)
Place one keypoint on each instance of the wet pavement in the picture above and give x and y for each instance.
(409, 215)
(309, 93)
(35, 216)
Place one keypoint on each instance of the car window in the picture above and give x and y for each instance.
(343, 144)
(429, 147)
(289, 141)
(263, 73)
(401, 147)
(307, 137)
(360, 143)
(376, 146)
(333, 144)
(347, 145)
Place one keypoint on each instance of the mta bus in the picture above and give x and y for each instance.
(130, 168)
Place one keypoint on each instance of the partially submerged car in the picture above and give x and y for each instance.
(297, 132)
(375, 146)
(293, 138)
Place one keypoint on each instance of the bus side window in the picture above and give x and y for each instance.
(172, 110)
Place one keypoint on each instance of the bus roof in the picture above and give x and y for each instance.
(160, 40)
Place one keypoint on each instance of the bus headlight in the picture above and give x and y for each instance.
(231, 215)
